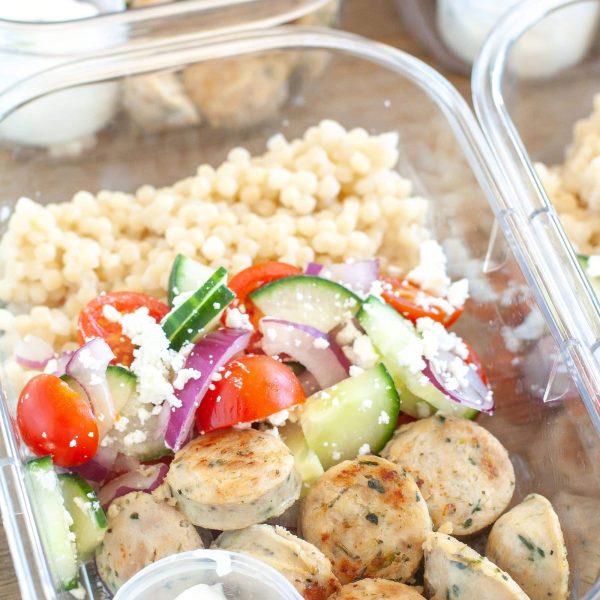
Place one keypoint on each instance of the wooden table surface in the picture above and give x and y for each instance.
(377, 19)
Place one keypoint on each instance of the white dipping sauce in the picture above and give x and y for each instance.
(69, 115)
(202, 591)
(559, 41)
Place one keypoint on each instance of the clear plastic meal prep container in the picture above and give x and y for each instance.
(453, 32)
(547, 418)
(30, 47)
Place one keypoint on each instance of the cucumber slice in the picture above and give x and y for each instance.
(89, 521)
(191, 319)
(132, 415)
(389, 331)
(308, 300)
(595, 281)
(357, 412)
(53, 521)
(122, 384)
(306, 461)
(187, 275)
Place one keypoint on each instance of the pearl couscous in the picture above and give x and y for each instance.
(574, 186)
(331, 195)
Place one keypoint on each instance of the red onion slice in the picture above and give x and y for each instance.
(358, 276)
(125, 463)
(313, 269)
(308, 382)
(62, 361)
(145, 478)
(98, 468)
(317, 351)
(33, 352)
(207, 357)
(88, 367)
(468, 390)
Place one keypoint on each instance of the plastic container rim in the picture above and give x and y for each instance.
(139, 24)
(232, 561)
(577, 319)
(281, 14)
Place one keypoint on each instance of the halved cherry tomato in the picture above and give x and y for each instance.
(252, 388)
(413, 303)
(256, 276)
(252, 278)
(53, 419)
(93, 323)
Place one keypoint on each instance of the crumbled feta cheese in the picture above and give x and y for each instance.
(361, 353)
(135, 437)
(355, 370)
(376, 288)
(347, 334)
(430, 273)
(279, 418)
(110, 313)
(532, 328)
(411, 356)
(364, 449)
(107, 440)
(437, 338)
(185, 375)
(236, 319)
(143, 415)
(152, 357)
(181, 298)
(383, 418)
(321, 343)
(121, 423)
(458, 292)
(82, 504)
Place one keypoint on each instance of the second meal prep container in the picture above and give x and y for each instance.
(548, 425)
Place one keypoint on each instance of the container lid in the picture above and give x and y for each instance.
(241, 577)
(142, 26)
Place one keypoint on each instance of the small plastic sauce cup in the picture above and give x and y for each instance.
(243, 577)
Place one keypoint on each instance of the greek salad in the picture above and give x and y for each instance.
(241, 395)
(255, 348)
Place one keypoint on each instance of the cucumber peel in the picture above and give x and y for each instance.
(89, 521)
(191, 319)
(53, 521)
(308, 300)
(357, 415)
